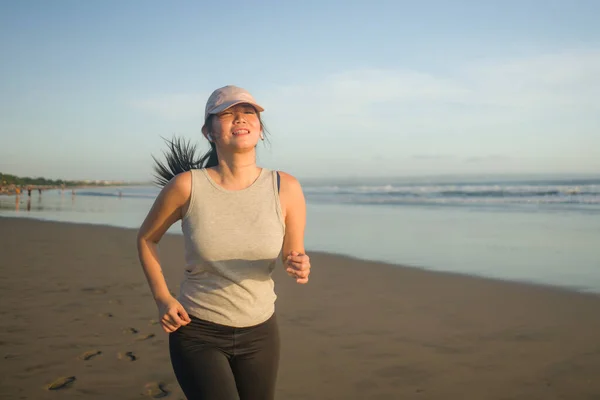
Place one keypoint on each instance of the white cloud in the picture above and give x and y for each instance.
(568, 79)
(481, 99)
(543, 81)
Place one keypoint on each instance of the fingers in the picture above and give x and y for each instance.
(174, 319)
(298, 273)
(167, 325)
(299, 258)
(184, 315)
(300, 262)
(301, 276)
(298, 266)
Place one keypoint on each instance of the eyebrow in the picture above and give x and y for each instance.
(243, 107)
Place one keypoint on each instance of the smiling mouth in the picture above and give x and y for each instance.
(240, 132)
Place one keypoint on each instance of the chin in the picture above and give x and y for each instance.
(244, 142)
(244, 147)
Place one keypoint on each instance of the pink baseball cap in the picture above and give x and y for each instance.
(228, 96)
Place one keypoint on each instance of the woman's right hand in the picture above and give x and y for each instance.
(171, 314)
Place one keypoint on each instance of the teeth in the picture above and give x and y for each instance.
(241, 131)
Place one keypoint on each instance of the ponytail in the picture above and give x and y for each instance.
(181, 157)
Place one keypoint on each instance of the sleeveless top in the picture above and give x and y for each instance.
(232, 241)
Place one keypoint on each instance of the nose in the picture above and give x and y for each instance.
(238, 117)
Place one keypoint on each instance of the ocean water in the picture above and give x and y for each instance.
(544, 231)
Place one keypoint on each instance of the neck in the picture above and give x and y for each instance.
(237, 170)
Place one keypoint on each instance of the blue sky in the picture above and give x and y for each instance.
(378, 88)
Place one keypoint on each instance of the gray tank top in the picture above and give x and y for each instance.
(232, 242)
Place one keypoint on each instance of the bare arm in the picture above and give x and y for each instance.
(168, 207)
(294, 208)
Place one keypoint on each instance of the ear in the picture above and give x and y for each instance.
(206, 134)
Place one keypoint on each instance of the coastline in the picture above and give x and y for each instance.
(359, 329)
(10, 190)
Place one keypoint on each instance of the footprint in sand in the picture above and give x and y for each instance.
(127, 355)
(146, 337)
(130, 330)
(107, 315)
(88, 355)
(94, 290)
(61, 383)
(156, 390)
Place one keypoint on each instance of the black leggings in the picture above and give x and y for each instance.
(214, 362)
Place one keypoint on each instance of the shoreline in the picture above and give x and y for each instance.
(76, 304)
(11, 190)
(387, 264)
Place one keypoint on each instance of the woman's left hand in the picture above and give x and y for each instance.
(298, 266)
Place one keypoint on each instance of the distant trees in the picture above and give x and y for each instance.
(8, 179)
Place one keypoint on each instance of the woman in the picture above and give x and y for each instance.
(237, 218)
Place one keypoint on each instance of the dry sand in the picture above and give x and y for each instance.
(358, 330)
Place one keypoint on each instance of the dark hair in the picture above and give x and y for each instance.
(181, 157)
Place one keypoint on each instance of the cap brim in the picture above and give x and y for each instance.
(229, 104)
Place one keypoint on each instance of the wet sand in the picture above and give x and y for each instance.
(75, 305)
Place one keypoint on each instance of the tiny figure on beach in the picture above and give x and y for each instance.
(223, 332)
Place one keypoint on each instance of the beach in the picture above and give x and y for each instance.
(75, 303)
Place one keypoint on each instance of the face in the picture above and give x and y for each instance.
(238, 127)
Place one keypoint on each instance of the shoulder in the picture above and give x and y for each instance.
(179, 187)
(289, 182)
(291, 198)
(290, 193)
(182, 181)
